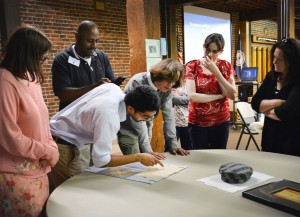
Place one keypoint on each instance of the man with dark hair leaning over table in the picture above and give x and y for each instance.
(95, 118)
(81, 67)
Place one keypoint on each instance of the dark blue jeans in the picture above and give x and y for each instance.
(183, 135)
(214, 137)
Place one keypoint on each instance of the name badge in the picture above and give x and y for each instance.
(74, 61)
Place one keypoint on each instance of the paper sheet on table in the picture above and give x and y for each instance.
(157, 172)
(120, 171)
(139, 172)
(217, 182)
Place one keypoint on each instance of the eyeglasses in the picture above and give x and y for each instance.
(145, 119)
(170, 82)
(44, 58)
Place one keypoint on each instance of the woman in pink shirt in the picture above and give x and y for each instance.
(210, 82)
(27, 150)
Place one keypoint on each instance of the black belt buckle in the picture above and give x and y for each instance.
(61, 141)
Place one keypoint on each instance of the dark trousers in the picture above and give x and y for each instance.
(214, 137)
(183, 135)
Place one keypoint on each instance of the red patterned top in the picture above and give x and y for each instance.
(213, 113)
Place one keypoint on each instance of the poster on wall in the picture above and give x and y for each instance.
(153, 52)
(152, 48)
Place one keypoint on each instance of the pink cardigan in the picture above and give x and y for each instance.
(25, 138)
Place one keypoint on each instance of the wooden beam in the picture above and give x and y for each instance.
(171, 32)
(136, 35)
(143, 22)
(244, 27)
(291, 18)
(152, 19)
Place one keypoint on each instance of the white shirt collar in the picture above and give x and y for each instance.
(88, 60)
(150, 81)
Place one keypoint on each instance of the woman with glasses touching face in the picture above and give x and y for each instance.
(27, 150)
(210, 82)
(135, 136)
(278, 98)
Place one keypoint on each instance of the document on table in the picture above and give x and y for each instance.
(139, 172)
(216, 181)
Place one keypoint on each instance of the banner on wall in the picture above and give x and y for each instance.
(240, 61)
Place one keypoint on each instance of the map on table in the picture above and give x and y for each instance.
(138, 172)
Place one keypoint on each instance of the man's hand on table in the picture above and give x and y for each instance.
(148, 159)
(159, 156)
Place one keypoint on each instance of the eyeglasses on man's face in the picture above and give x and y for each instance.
(145, 118)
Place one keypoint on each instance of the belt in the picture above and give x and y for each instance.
(61, 141)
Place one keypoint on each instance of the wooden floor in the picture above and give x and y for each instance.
(232, 141)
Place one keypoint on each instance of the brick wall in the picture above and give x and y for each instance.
(234, 37)
(59, 20)
(264, 28)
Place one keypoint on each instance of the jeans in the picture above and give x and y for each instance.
(214, 137)
(183, 135)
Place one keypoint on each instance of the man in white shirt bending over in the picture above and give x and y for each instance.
(95, 119)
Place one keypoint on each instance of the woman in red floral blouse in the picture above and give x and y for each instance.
(210, 82)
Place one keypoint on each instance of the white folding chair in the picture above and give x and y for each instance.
(248, 118)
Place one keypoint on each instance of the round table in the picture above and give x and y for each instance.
(91, 195)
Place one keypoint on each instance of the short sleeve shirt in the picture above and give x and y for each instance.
(70, 71)
(213, 113)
